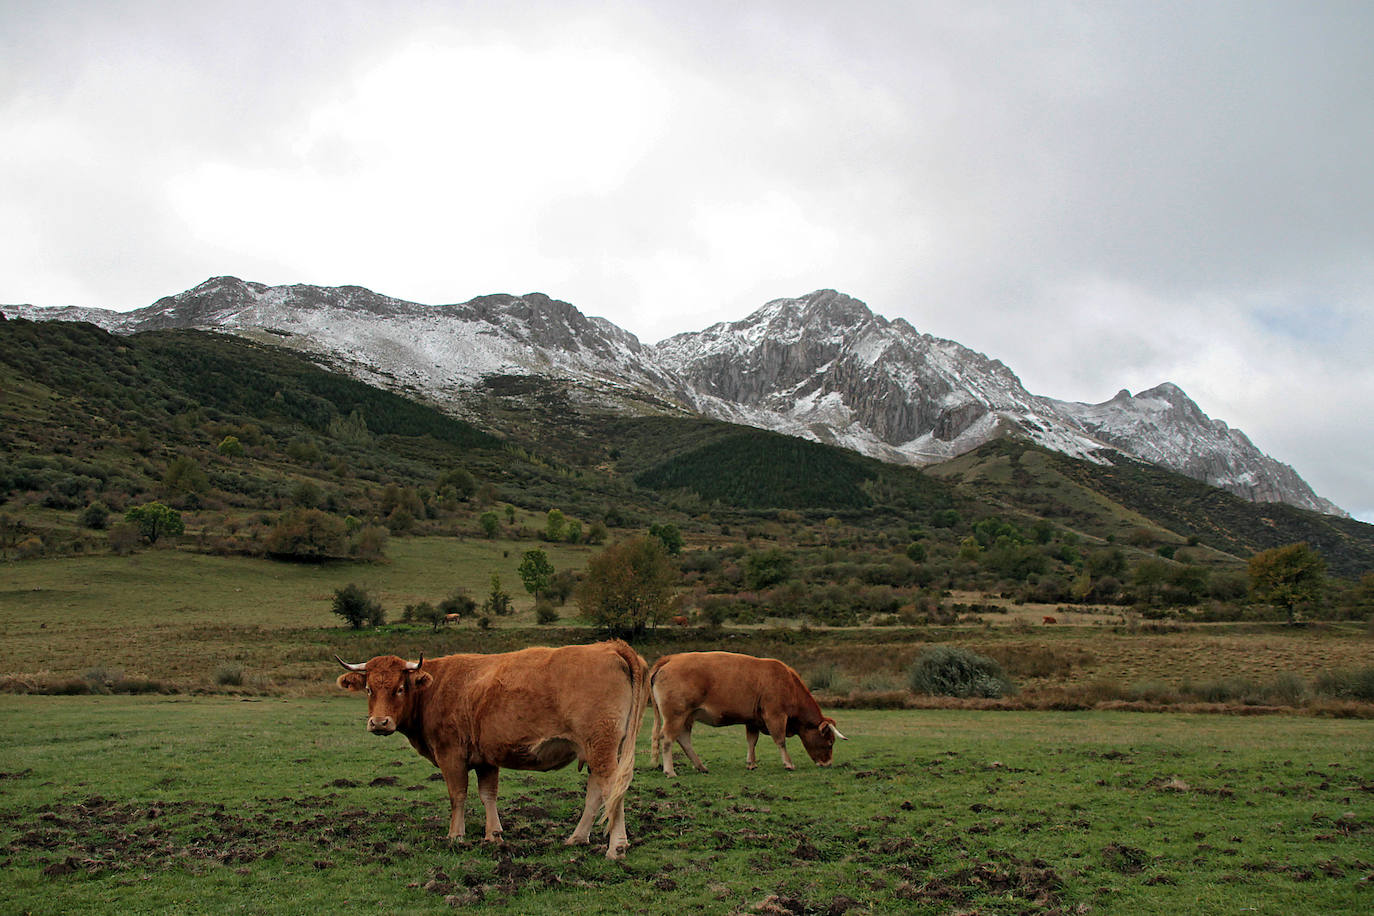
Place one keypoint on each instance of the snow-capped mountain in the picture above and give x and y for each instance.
(826, 367)
(1164, 426)
(822, 366)
(442, 352)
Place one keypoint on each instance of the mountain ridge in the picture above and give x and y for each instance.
(822, 366)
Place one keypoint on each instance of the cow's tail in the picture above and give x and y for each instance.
(638, 673)
(657, 735)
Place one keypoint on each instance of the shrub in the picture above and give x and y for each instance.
(498, 601)
(307, 534)
(229, 676)
(460, 603)
(123, 538)
(822, 676)
(356, 607)
(1348, 684)
(953, 672)
(1288, 689)
(544, 612)
(369, 543)
(96, 517)
(424, 612)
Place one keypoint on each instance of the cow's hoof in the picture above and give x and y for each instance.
(576, 840)
(751, 766)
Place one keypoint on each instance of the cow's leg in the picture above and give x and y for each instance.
(582, 833)
(664, 736)
(616, 839)
(777, 728)
(751, 735)
(684, 739)
(601, 769)
(657, 735)
(456, 780)
(488, 781)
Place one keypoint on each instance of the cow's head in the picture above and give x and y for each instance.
(819, 740)
(391, 684)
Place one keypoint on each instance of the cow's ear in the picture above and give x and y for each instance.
(353, 680)
(420, 679)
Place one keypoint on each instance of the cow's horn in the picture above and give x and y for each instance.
(415, 666)
(836, 731)
(350, 667)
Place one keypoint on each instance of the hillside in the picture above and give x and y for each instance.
(822, 367)
(239, 435)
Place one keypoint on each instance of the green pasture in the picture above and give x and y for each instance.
(176, 616)
(285, 805)
(181, 587)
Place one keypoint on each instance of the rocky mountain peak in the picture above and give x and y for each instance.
(822, 366)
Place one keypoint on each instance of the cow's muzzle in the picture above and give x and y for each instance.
(381, 725)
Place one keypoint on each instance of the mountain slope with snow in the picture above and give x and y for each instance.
(821, 366)
(1164, 426)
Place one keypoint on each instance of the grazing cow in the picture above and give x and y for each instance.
(1047, 619)
(536, 709)
(680, 620)
(725, 688)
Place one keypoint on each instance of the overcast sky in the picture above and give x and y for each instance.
(1101, 195)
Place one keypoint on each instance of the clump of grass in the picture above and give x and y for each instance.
(229, 676)
(953, 672)
(1224, 690)
(1041, 661)
(1288, 689)
(1347, 684)
(875, 683)
(822, 677)
(1153, 692)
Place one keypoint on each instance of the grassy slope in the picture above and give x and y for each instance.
(140, 805)
(179, 617)
(1113, 501)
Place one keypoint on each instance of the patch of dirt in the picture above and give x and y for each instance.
(1034, 880)
(1128, 860)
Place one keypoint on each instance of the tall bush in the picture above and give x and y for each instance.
(357, 607)
(952, 672)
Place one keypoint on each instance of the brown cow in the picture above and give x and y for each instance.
(536, 709)
(725, 688)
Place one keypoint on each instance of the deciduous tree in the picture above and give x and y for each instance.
(1288, 577)
(536, 571)
(628, 586)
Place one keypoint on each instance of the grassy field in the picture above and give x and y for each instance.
(221, 805)
(180, 620)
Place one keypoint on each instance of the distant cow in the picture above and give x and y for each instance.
(1048, 619)
(679, 621)
(536, 709)
(725, 688)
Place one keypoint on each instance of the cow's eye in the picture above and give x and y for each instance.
(400, 690)
(369, 690)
